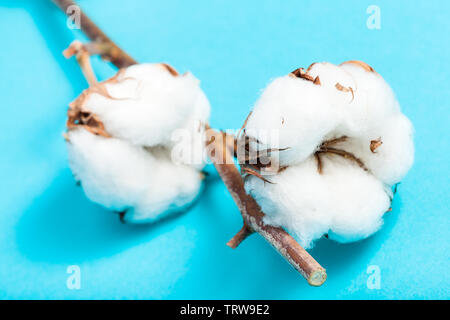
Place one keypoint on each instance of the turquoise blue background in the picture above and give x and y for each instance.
(235, 48)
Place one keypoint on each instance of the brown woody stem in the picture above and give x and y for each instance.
(253, 217)
(223, 161)
(239, 237)
(78, 50)
(107, 48)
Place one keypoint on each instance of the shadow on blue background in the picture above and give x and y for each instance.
(63, 226)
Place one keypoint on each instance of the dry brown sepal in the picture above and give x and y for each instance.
(301, 73)
(375, 144)
(253, 161)
(361, 64)
(329, 147)
(304, 74)
(77, 117)
(340, 87)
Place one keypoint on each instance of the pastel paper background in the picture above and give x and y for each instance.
(235, 48)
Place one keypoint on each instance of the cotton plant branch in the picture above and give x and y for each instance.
(102, 44)
(221, 154)
(253, 217)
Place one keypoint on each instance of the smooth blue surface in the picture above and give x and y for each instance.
(235, 48)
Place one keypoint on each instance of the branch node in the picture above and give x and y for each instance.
(240, 236)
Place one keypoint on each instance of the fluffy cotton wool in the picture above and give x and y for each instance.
(124, 141)
(343, 141)
(292, 114)
(145, 103)
(344, 200)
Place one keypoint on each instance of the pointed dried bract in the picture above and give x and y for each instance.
(340, 87)
(301, 73)
(374, 144)
(361, 64)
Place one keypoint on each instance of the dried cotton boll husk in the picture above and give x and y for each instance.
(125, 177)
(145, 103)
(344, 201)
(294, 115)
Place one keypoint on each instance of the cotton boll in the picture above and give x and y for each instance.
(145, 103)
(292, 114)
(347, 143)
(122, 176)
(345, 200)
(120, 141)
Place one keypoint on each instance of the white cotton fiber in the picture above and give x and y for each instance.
(292, 114)
(393, 158)
(374, 100)
(188, 141)
(340, 188)
(146, 103)
(344, 201)
(330, 75)
(122, 176)
(148, 160)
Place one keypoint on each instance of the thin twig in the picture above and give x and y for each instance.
(239, 237)
(106, 47)
(82, 55)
